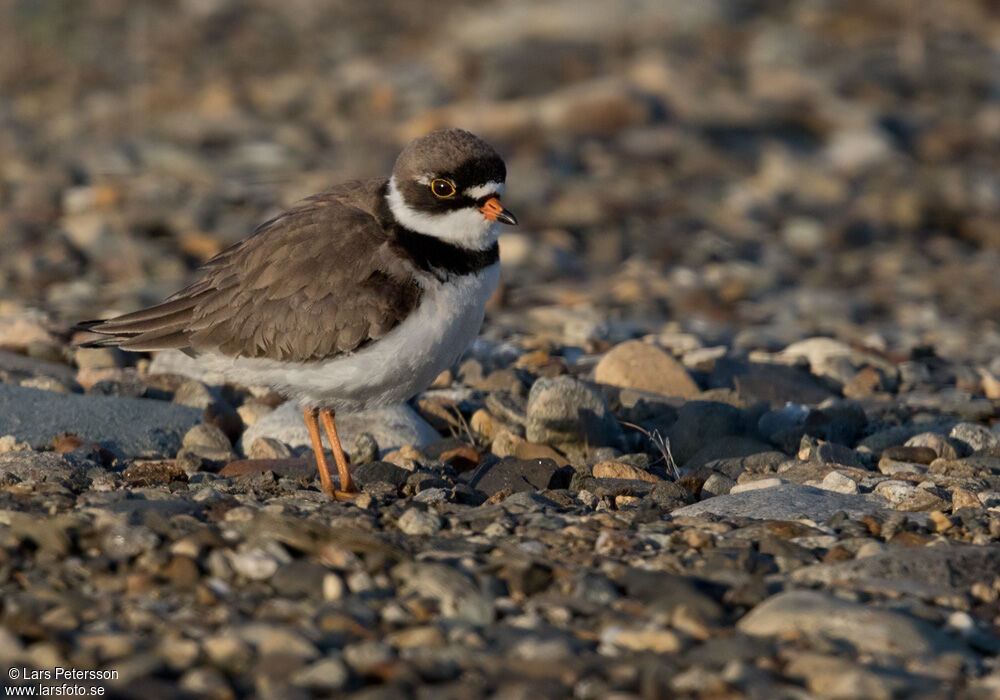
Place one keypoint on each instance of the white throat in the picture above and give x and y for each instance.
(466, 227)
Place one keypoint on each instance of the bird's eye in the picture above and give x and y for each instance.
(442, 189)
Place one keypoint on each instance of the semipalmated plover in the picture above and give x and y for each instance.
(358, 297)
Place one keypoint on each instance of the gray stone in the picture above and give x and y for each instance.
(728, 447)
(135, 511)
(208, 442)
(975, 436)
(920, 571)
(702, 423)
(788, 502)
(664, 592)
(45, 466)
(896, 435)
(942, 446)
(457, 594)
(563, 411)
(327, 674)
(868, 628)
(268, 448)
(126, 427)
(364, 449)
(517, 475)
(254, 564)
(391, 426)
(415, 521)
(385, 472)
(124, 541)
(779, 384)
(830, 676)
(788, 418)
(300, 578)
(277, 639)
(717, 485)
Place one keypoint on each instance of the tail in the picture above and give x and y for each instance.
(160, 327)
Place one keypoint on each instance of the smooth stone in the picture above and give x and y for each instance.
(975, 435)
(830, 676)
(415, 521)
(136, 511)
(638, 365)
(206, 435)
(866, 627)
(518, 475)
(757, 485)
(269, 448)
(391, 426)
(618, 470)
(565, 411)
(326, 675)
(896, 435)
(717, 484)
(729, 447)
(457, 594)
(926, 572)
(664, 592)
(839, 483)
(941, 445)
(375, 472)
(788, 502)
(124, 426)
(774, 383)
(701, 424)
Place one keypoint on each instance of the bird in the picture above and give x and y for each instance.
(355, 298)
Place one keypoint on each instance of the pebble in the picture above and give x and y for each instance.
(787, 502)
(975, 436)
(635, 364)
(414, 521)
(255, 565)
(326, 675)
(124, 541)
(268, 448)
(813, 614)
(565, 412)
(840, 483)
(618, 470)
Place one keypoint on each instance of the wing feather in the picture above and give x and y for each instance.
(315, 282)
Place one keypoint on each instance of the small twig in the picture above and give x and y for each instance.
(662, 444)
(463, 424)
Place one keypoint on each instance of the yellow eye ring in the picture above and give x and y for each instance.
(442, 188)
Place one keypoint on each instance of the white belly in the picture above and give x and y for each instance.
(392, 369)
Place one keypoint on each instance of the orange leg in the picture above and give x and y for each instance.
(317, 442)
(347, 487)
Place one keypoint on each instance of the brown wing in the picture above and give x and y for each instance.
(317, 281)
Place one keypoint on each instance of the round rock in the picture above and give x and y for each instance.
(638, 365)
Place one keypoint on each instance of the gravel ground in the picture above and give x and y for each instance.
(731, 429)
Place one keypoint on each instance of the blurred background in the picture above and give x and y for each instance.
(752, 171)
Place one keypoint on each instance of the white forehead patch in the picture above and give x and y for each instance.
(491, 187)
